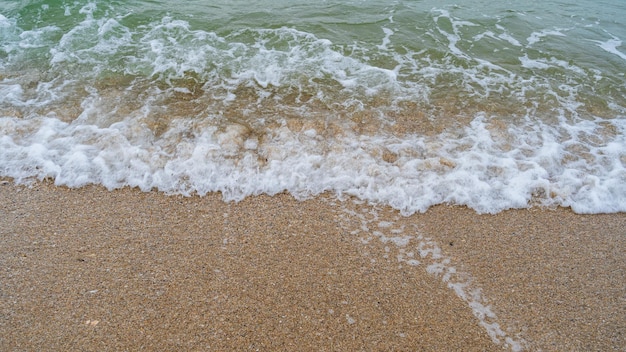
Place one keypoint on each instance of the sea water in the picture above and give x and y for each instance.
(492, 105)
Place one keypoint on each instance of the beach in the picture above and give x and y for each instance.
(92, 269)
(312, 176)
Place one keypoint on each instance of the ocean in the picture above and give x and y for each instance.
(408, 104)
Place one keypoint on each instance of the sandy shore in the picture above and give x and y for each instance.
(90, 269)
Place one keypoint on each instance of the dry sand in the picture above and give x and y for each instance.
(91, 269)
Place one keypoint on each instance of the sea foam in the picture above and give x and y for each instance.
(474, 170)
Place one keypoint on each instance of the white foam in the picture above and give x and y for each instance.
(5, 22)
(388, 33)
(535, 37)
(437, 264)
(529, 63)
(472, 170)
(11, 93)
(611, 46)
(454, 37)
(502, 36)
(385, 224)
(510, 39)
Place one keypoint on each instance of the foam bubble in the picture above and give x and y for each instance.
(11, 94)
(473, 170)
(435, 263)
(611, 46)
(529, 63)
(4, 22)
(535, 37)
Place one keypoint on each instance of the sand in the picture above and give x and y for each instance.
(91, 269)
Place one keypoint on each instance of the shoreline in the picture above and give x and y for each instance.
(93, 269)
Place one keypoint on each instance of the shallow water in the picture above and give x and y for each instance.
(408, 104)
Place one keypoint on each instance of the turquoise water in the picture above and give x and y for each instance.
(410, 104)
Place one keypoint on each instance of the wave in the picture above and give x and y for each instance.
(475, 115)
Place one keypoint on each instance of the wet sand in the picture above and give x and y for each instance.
(90, 269)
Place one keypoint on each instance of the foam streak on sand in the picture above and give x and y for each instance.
(437, 264)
